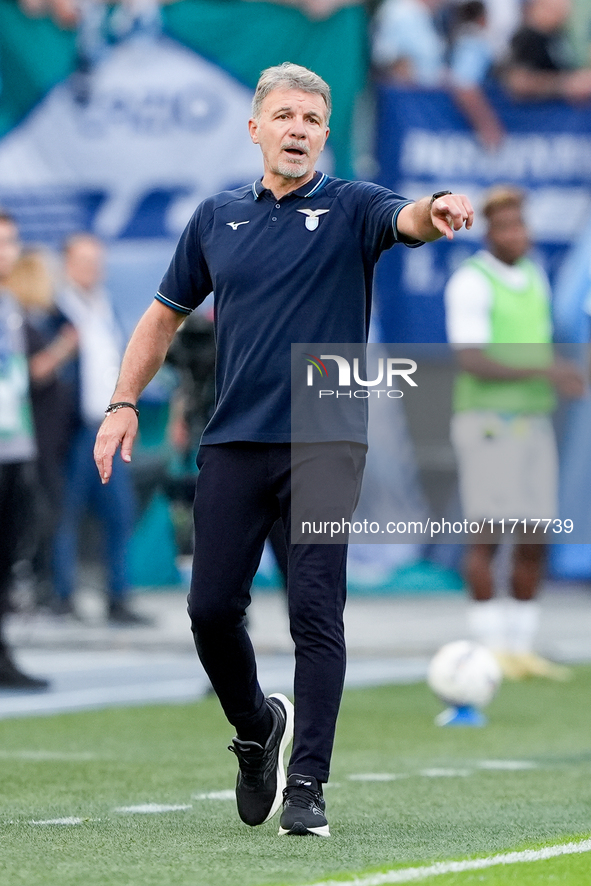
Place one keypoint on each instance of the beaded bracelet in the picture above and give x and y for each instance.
(114, 407)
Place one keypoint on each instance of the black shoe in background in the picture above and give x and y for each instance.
(12, 678)
(119, 613)
(303, 808)
(63, 606)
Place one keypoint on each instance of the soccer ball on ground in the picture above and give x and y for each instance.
(466, 676)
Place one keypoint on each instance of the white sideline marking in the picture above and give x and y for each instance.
(508, 765)
(408, 875)
(37, 756)
(374, 776)
(216, 795)
(151, 808)
(70, 820)
(438, 772)
(162, 691)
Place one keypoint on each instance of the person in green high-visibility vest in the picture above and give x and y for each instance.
(499, 322)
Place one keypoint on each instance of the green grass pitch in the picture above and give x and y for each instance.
(403, 793)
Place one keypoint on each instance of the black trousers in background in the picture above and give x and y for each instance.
(241, 490)
(15, 506)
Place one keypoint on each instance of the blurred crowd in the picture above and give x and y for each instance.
(69, 13)
(61, 341)
(61, 345)
(533, 49)
(60, 349)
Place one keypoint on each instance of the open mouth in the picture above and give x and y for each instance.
(295, 152)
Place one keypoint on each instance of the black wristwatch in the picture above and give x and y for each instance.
(438, 194)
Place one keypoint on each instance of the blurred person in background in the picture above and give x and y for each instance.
(503, 17)
(192, 354)
(471, 59)
(431, 44)
(17, 445)
(501, 429)
(63, 11)
(52, 346)
(85, 303)
(407, 44)
(541, 63)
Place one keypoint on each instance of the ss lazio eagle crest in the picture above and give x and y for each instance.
(312, 217)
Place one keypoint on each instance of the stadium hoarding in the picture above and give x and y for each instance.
(160, 124)
(424, 144)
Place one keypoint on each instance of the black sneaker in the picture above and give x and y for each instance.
(261, 774)
(303, 808)
(63, 606)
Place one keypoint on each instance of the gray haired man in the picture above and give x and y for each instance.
(290, 258)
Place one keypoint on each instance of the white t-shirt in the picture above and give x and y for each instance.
(404, 29)
(100, 347)
(469, 296)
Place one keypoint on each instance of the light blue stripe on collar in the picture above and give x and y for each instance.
(319, 184)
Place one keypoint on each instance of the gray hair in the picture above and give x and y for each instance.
(290, 76)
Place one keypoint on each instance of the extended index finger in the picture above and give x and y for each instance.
(459, 209)
(443, 225)
(104, 450)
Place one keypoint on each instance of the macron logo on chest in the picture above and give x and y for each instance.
(312, 216)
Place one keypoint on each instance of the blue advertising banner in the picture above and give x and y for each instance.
(424, 144)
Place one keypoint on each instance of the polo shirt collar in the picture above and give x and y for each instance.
(307, 190)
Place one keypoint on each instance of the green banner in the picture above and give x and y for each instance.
(241, 37)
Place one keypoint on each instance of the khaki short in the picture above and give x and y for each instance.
(507, 465)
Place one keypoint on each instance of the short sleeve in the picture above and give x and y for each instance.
(470, 61)
(387, 38)
(529, 48)
(405, 30)
(376, 211)
(187, 282)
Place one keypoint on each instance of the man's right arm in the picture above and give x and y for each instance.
(143, 358)
(468, 305)
(564, 375)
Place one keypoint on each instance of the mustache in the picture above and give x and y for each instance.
(297, 145)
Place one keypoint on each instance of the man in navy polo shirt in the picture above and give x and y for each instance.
(289, 258)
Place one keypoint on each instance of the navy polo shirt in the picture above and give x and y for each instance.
(297, 269)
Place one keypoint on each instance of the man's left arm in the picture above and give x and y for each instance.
(429, 219)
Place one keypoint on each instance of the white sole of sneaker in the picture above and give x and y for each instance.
(287, 737)
(300, 830)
